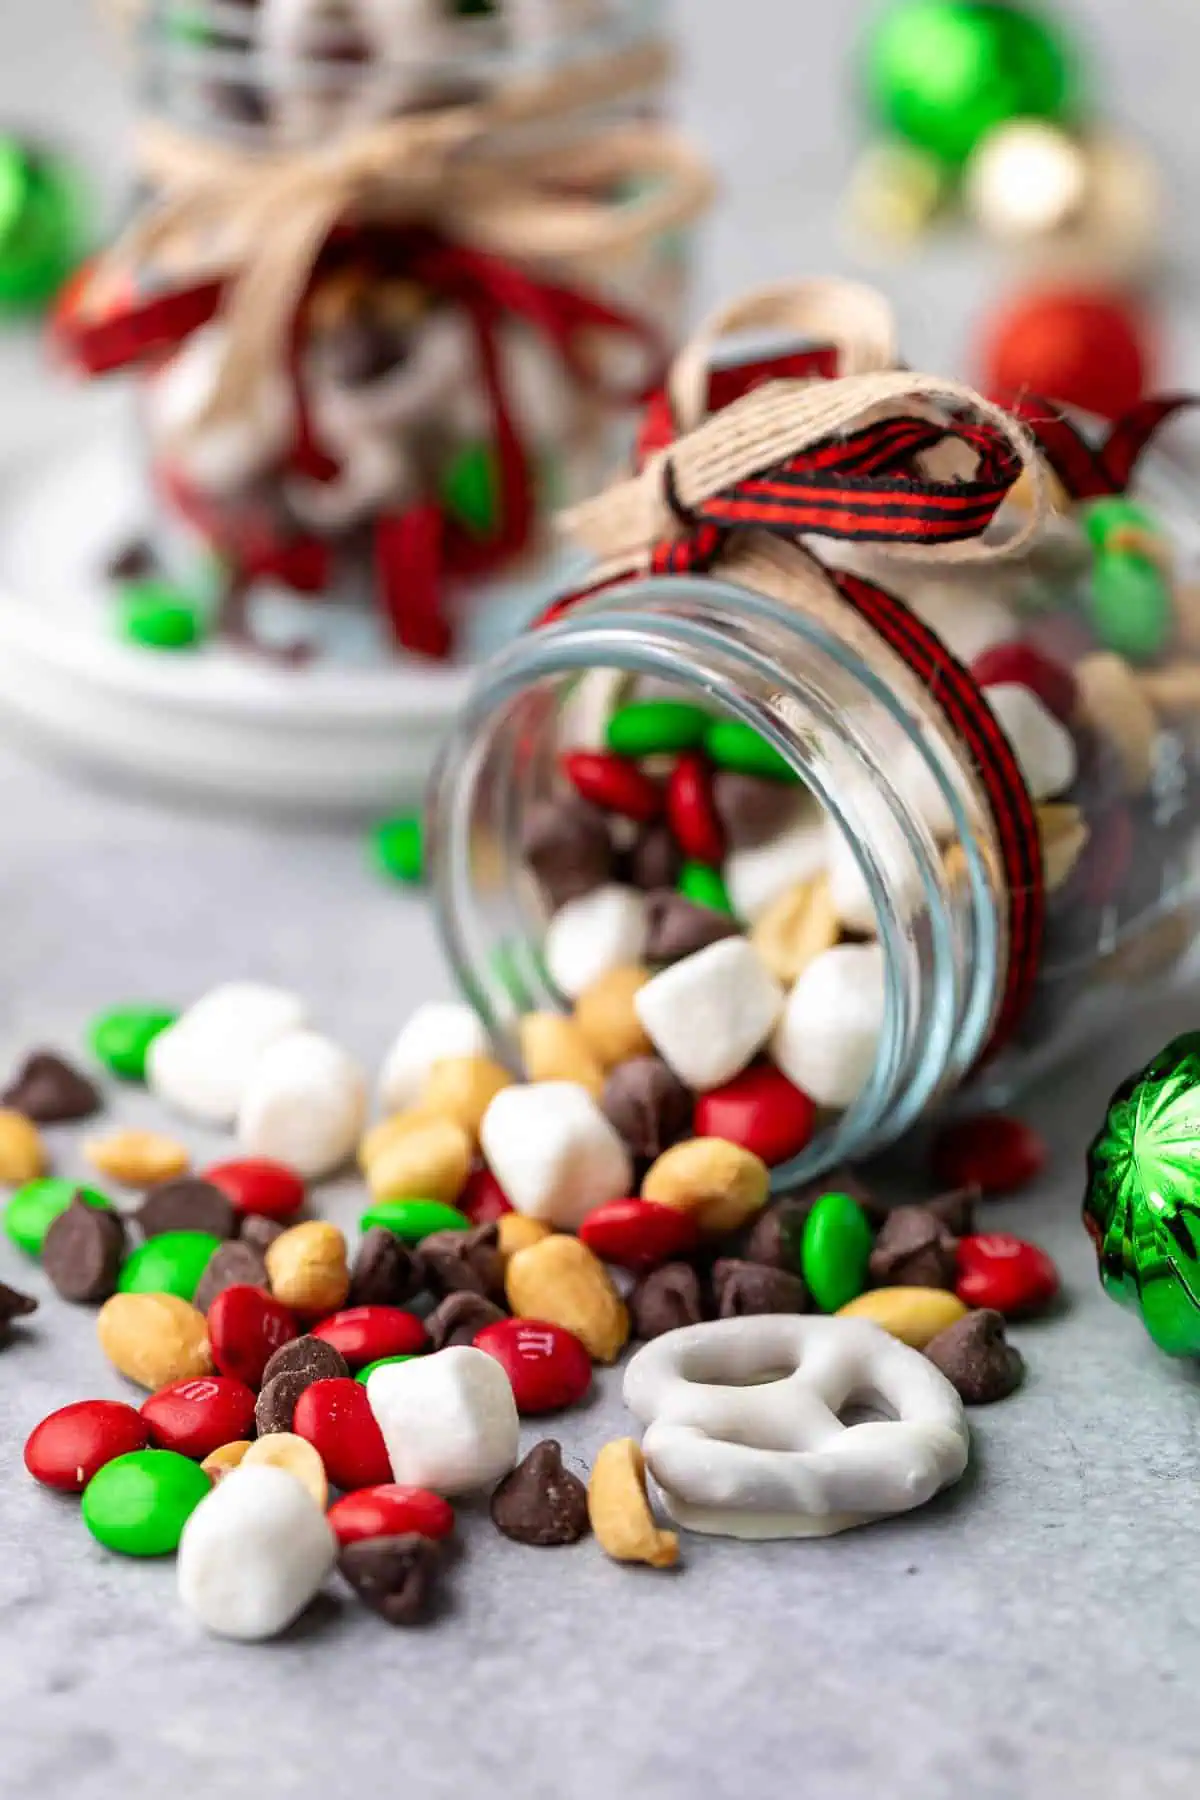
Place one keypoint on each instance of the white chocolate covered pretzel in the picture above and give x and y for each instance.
(745, 1432)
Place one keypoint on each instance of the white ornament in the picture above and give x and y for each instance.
(202, 1064)
(1043, 747)
(304, 1105)
(449, 1420)
(1025, 178)
(436, 1032)
(591, 936)
(709, 1015)
(828, 1037)
(744, 1433)
(253, 1554)
(554, 1153)
(757, 876)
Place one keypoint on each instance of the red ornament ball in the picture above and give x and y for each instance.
(1089, 350)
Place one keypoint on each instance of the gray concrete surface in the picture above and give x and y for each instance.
(1032, 1635)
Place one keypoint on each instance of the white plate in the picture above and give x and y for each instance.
(350, 731)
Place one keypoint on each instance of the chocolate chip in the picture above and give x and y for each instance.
(385, 1272)
(83, 1251)
(745, 1289)
(648, 1105)
(677, 927)
(540, 1502)
(752, 810)
(309, 1356)
(188, 1204)
(276, 1403)
(260, 1232)
(956, 1210)
(655, 859)
(394, 1576)
(459, 1318)
(465, 1262)
(975, 1357)
(13, 1305)
(842, 1180)
(236, 1264)
(132, 562)
(360, 349)
(778, 1233)
(49, 1091)
(666, 1299)
(565, 843)
(913, 1249)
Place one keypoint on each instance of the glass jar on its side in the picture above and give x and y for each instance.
(883, 790)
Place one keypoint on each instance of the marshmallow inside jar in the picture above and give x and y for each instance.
(738, 855)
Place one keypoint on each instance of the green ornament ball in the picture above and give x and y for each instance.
(942, 74)
(1142, 1206)
(43, 226)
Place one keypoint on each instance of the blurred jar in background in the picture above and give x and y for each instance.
(400, 272)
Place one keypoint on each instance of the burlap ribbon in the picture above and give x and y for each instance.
(264, 216)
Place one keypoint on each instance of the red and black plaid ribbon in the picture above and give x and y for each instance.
(1091, 471)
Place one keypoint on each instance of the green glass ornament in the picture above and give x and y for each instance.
(942, 74)
(1142, 1207)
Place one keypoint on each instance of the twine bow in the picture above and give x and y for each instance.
(261, 219)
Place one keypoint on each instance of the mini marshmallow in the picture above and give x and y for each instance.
(554, 1153)
(588, 937)
(305, 1105)
(253, 1554)
(827, 1040)
(449, 1420)
(437, 1031)
(1044, 748)
(755, 878)
(202, 1064)
(847, 883)
(710, 1015)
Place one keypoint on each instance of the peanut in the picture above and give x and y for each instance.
(22, 1152)
(516, 1232)
(1064, 833)
(430, 1163)
(461, 1088)
(606, 1018)
(389, 1131)
(554, 1049)
(284, 1450)
(559, 1280)
(1112, 702)
(915, 1315)
(620, 1510)
(154, 1339)
(1173, 692)
(796, 928)
(720, 1183)
(1186, 598)
(137, 1159)
(307, 1267)
(224, 1461)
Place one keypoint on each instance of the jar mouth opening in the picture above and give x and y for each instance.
(656, 630)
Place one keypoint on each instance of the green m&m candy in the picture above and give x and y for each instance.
(120, 1039)
(657, 727)
(171, 1263)
(470, 490)
(413, 1220)
(398, 847)
(34, 1208)
(703, 887)
(835, 1251)
(1130, 605)
(139, 1503)
(158, 616)
(381, 1362)
(732, 744)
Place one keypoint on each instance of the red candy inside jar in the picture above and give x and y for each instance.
(863, 775)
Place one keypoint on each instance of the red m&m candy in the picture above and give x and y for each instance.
(390, 1511)
(336, 1418)
(638, 1234)
(546, 1364)
(256, 1184)
(691, 814)
(245, 1329)
(614, 784)
(1005, 1274)
(196, 1417)
(366, 1334)
(760, 1110)
(483, 1200)
(69, 1445)
(992, 1152)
